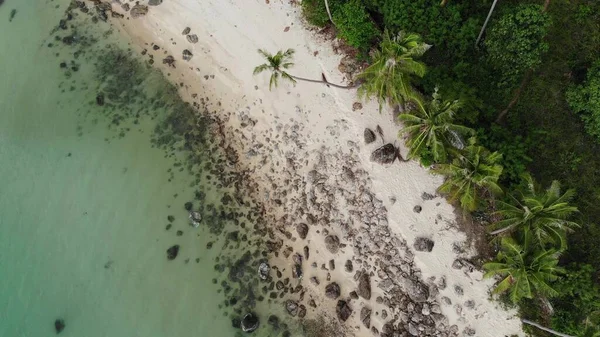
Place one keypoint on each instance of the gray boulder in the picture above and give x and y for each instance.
(423, 244)
(138, 11)
(250, 322)
(332, 290)
(343, 310)
(364, 286)
(332, 243)
(385, 154)
(369, 136)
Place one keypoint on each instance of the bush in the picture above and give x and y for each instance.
(579, 297)
(355, 25)
(443, 27)
(585, 100)
(515, 43)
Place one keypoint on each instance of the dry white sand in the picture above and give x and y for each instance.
(229, 34)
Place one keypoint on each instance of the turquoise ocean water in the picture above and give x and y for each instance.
(85, 194)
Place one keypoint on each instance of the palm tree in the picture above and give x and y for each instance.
(527, 269)
(474, 170)
(544, 213)
(281, 61)
(394, 64)
(429, 127)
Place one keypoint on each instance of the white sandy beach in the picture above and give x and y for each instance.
(295, 125)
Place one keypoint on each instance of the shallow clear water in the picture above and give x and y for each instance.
(85, 196)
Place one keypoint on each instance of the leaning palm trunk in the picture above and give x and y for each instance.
(329, 12)
(556, 333)
(323, 82)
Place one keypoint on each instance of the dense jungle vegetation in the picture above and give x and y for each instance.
(510, 118)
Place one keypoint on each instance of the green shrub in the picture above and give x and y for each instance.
(446, 28)
(584, 99)
(579, 297)
(515, 43)
(513, 148)
(355, 25)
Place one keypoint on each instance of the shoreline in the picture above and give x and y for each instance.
(286, 135)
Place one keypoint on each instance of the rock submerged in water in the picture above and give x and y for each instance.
(263, 270)
(343, 310)
(138, 11)
(172, 252)
(195, 218)
(386, 154)
(250, 322)
(369, 136)
(423, 244)
(59, 324)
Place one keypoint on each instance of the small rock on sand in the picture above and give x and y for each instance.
(138, 11)
(343, 310)
(385, 154)
(423, 244)
(369, 136)
(302, 230)
(186, 31)
(332, 290)
(364, 286)
(332, 242)
(187, 55)
(155, 2)
(192, 38)
(365, 317)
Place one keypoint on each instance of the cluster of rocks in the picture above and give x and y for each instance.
(333, 201)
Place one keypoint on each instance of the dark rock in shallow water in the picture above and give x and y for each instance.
(332, 243)
(302, 230)
(187, 55)
(171, 218)
(274, 321)
(423, 244)
(301, 311)
(172, 252)
(385, 154)
(100, 99)
(12, 15)
(192, 38)
(263, 270)
(188, 206)
(138, 10)
(332, 290)
(250, 322)
(369, 136)
(343, 310)
(364, 286)
(59, 324)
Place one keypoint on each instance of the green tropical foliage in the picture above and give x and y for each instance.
(473, 171)
(578, 300)
(525, 267)
(430, 128)
(584, 99)
(544, 213)
(516, 43)
(392, 69)
(276, 64)
(355, 25)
